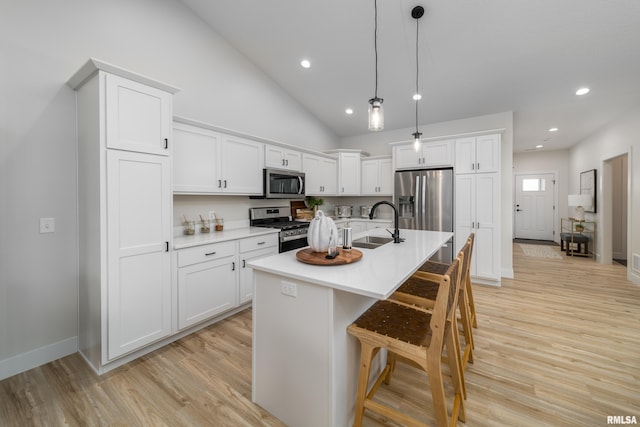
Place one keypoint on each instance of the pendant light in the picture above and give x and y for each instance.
(417, 13)
(376, 111)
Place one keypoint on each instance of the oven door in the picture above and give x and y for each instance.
(283, 184)
(290, 243)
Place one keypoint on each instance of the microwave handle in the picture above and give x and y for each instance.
(301, 191)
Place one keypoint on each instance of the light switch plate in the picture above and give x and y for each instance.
(47, 225)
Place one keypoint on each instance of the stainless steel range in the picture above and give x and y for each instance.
(293, 234)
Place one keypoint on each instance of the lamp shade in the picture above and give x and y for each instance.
(583, 200)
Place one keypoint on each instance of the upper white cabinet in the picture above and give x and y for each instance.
(478, 154)
(241, 164)
(377, 177)
(282, 158)
(430, 154)
(209, 162)
(348, 174)
(321, 175)
(124, 211)
(138, 117)
(195, 151)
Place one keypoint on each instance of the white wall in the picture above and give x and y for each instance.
(42, 43)
(377, 143)
(548, 161)
(620, 137)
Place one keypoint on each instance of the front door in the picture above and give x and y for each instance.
(534, 210)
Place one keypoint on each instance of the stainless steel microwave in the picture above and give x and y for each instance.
(281, 184)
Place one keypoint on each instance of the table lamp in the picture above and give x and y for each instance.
(579, 201)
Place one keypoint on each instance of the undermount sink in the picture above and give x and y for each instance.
(371, 242)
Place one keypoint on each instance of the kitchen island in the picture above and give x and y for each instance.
(305, 365)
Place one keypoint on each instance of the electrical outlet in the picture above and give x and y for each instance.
(288, 288)
(212, 214)
(47, 225)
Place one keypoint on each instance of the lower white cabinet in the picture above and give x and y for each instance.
(207, 282)
(251, 249)
(478, 210)
(215, 278)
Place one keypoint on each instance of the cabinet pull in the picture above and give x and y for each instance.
(286, 162)
(478, 166)
(282, 162)
(244, 263)
(210, 253)
(261, 243)
(473, 166)
(219, 183)
(166, 143)
(166, 246)
(225, 183)
(233, 266)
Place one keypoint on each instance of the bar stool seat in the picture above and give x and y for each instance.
(416, 335)
(421, 289)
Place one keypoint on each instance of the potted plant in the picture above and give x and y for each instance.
(579, 227)
(313, 203)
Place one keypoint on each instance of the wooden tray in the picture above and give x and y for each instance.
(318, 258)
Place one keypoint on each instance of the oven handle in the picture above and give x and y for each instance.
(290, 238)
(301, 191)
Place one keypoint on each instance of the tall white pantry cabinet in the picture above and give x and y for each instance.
(124, 126)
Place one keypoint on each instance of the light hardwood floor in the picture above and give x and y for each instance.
(557, 346)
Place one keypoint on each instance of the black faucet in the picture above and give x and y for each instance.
(396, 231)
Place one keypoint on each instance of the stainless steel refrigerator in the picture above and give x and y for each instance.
(425, 202)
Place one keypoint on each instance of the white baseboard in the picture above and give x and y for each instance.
(39, 356)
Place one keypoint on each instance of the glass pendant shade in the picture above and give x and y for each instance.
(376, 114)
(416, 141)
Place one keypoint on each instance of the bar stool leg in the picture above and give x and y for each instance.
(366, 355)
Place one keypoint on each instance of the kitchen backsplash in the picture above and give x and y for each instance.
(235, 209)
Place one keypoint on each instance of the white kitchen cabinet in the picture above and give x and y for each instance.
(124, 212)
(479, 154)
(377, 177)
(207, 282)
(321, 175)
(282, 158)
(378, 224)
(348, 174)
(195, 154)
(139, 264)
(477, 205)
(357, 226)
(430, 154)
(241, 164)
(138, 116)
(251, 249)
(209, 162)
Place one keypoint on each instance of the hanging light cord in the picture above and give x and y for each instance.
(375, 42)
(417, 64)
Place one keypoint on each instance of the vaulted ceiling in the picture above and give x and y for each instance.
(477, 57)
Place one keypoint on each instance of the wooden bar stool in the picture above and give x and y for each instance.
(440, 268)
(421, 290)
(416, 335)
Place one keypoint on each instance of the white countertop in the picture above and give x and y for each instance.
(181, 242)
(377, 274)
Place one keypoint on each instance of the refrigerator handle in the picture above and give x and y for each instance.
(416, 204)
(423, 204)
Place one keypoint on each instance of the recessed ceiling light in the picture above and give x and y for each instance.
(417, 97)
(539, 146)
(305, 63)
(553, 130)
(349, 111)
(582, 91)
